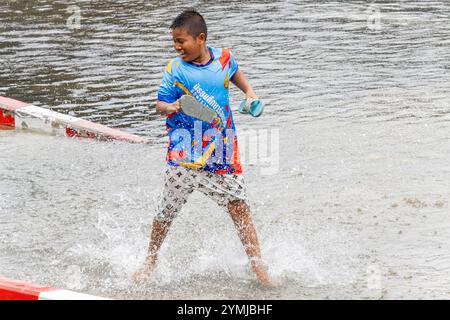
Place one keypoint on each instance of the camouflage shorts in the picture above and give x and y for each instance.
(180, 182)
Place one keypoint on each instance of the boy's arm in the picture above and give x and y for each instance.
(164, 108)
(240, 81)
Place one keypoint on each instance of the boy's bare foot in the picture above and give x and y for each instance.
(142, 275)
(262, 277)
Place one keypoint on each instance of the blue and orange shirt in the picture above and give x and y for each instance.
(194, 143)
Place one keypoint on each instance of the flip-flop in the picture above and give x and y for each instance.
(253, 106)
(191, 107)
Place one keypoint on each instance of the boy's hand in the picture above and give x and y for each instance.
(173, 107)
(164, 108)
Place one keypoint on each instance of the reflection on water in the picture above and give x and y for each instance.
(359, 91)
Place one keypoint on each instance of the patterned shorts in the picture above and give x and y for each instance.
(180, 182)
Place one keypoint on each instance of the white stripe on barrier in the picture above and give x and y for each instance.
(36, 118)
(45, 114)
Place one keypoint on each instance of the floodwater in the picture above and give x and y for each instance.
(352, 202)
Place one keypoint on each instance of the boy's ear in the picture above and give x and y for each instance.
(202, 37)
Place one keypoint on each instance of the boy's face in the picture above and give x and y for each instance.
(187, 46)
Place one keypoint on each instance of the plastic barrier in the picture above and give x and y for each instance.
(20, 290)
(15, 114)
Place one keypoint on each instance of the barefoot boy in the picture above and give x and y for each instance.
(201, 156)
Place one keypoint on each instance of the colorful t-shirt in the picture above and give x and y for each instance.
(194, 143)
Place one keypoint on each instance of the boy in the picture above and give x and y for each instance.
(201, 156)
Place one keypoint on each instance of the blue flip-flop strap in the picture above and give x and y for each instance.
(242, 106)
(256, 107)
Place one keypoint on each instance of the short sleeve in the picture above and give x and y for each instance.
(233, 65)
(167, 91)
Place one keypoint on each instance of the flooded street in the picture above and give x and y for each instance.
(350, 202)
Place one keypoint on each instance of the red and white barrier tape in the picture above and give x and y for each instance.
(20, 290)
(21, 115)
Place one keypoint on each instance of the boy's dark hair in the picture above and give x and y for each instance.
(192, 21)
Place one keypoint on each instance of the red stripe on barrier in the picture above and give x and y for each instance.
(7, 118)
(70, 132)
(11, 104)
(93, 129)
(20, 290)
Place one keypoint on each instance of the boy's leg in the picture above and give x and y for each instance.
(240, 213)
(229, 192)
(159, 232)
(177, 188)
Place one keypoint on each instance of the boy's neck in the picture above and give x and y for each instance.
(204, 56)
